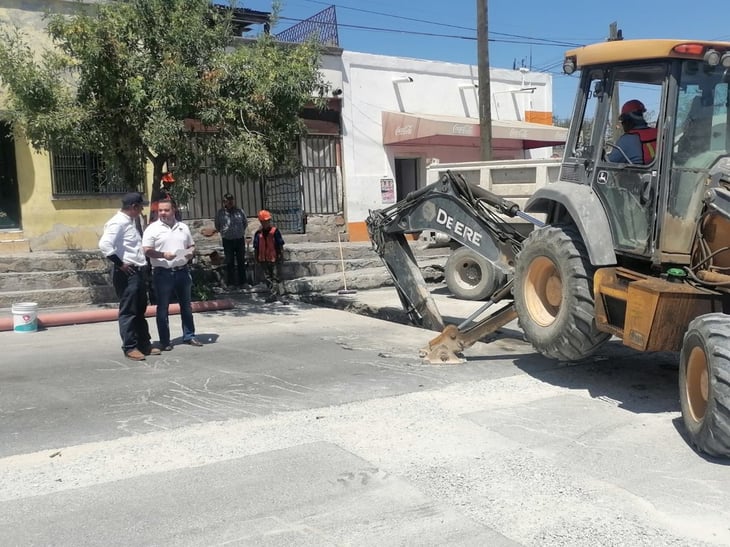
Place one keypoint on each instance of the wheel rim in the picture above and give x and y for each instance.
(543, 291)
(469, 274)
(697, 384)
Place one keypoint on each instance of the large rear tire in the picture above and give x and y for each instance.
(704, 383)
(470, 276)
(553, 291)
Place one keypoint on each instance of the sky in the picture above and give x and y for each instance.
(530, 33)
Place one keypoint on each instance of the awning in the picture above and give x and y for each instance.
(409, 129)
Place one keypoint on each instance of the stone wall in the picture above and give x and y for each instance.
(324, 228)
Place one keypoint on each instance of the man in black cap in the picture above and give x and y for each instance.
(231, 223)
(121, 243)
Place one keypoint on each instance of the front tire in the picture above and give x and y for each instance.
(553, 294)
(704, 383)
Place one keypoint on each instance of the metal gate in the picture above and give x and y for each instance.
(320, 169)
(283, 198)
(210, 188)
(316, 189)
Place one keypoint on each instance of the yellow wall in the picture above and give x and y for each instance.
(50, 223)
(57, 223)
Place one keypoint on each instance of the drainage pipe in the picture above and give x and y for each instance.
(60, 319)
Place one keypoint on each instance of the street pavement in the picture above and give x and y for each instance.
(308, 425)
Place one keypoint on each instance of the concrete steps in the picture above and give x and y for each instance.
(62, 279)
(59, 297)
(82, 277)
(53, 261)
(54, 278)
(362, 279)
(13, 242)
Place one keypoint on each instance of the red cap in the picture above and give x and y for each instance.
(167, 177)
(264, 215)
(633, 105)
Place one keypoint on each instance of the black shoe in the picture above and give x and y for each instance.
(194, 342)
(270, 299)
(150, 350)
(168, 347)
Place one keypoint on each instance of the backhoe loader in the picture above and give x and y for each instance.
(636, 249)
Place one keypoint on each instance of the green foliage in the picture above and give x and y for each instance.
(202, 288)
(201, 291)
(183, 190)
(124, 76)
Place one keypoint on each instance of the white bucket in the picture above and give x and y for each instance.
(25, 317)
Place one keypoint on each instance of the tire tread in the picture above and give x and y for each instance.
(712, 331)
(579, 338)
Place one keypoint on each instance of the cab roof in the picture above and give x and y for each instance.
(636, 50)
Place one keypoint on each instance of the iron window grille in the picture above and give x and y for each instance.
(75, 173)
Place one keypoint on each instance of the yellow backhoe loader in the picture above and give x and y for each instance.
(636, 238)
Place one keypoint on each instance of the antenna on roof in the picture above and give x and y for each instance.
(614, 33)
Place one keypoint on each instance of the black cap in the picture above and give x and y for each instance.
(133, 198)
(228, 196)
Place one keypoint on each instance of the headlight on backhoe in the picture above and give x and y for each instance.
(712, 57)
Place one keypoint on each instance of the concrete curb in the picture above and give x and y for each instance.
(97, 316)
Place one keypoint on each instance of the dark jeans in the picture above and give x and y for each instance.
(235, 253)
(132, 293)
(168, 282)
(271, 275)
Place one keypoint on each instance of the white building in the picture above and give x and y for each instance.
(400, 114)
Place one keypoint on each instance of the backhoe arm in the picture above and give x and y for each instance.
(448, 346)
(467, 213)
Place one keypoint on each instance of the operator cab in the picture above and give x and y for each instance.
(652, 206)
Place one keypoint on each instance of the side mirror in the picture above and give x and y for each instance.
(598, 89)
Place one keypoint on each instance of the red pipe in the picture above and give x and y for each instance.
(96, 316)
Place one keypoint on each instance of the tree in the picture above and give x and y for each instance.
(128, 79)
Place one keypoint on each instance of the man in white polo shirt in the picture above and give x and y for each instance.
(169, 245)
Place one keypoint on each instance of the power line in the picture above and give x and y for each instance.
(392, 15)
(549, 66)
(533, 40)
(526, 41)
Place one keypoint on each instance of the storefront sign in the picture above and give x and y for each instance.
(387, 191)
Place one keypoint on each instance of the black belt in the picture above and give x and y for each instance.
(175, 269)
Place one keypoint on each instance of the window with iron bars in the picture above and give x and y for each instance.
(75, 173)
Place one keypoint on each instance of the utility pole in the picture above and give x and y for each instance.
(485, 94)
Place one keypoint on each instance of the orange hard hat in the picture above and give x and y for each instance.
(264, 215)
(168, 178)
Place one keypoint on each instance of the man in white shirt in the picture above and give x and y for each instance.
(169, 245)
(121, 243)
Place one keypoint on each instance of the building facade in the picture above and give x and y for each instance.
(388, 118)
(400, 115)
